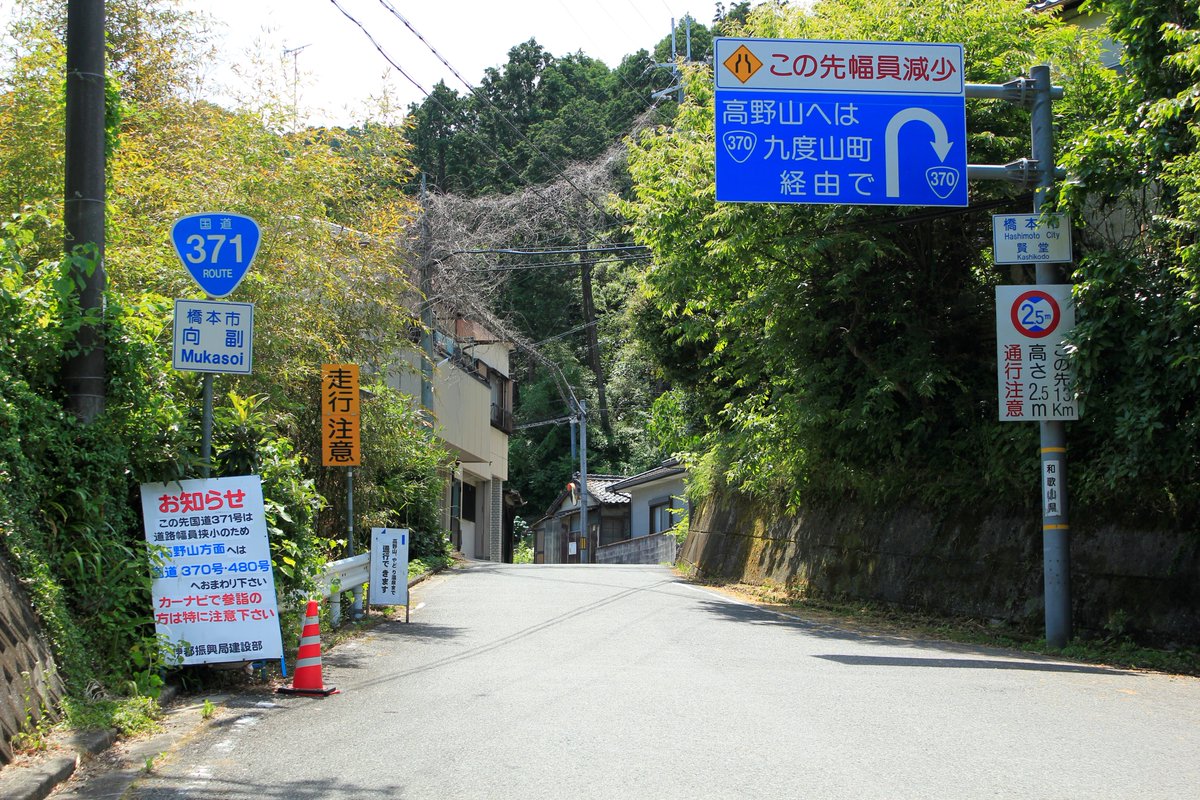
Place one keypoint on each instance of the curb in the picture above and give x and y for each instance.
(37, 781)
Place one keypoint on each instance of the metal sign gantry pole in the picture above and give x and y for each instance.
(1037, 94)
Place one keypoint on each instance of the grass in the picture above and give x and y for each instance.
(131, 716)
(1114, 649)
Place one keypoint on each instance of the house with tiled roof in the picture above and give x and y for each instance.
(557, 535)
(657, 498)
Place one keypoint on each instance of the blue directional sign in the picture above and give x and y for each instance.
(216, 248)
(856, 123)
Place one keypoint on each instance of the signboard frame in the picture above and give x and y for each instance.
(200, 242)
(389, 566)
(1032, 239)
(208, 338)
(341, 420)
(1034, 378)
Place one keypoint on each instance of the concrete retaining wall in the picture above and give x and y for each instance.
(986, 565)
(657, 548)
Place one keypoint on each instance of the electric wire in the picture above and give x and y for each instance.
(558, 169)
(556, 264)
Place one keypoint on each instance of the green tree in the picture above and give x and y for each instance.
(1134, 183)
(834, 352)
(329, 284)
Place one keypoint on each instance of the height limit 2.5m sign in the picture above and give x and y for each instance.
(1034, 374)
(855, 123)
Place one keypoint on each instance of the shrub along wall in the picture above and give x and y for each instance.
(1144, 582)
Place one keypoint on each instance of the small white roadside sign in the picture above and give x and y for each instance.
(1031, 238)
(213, 336)
(389, 566)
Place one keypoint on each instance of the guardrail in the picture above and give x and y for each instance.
(345, 575)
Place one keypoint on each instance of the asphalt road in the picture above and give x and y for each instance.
(623, 682)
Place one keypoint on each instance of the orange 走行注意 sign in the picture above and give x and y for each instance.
(340, 423)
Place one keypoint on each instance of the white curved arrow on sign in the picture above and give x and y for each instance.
(891, 143)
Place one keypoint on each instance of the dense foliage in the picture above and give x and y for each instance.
(525, 130)
(1136, 183)
(329, 285)
(832, 353)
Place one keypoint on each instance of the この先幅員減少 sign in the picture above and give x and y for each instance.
(857, 123)
(213, 336)
(213, 591)
(216, 249)
(1032, 361)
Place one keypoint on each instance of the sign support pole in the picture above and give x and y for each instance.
(206, 421)
(357, 608)
(206, 425)
(1056, 532)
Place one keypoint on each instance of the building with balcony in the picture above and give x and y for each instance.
(472, 416)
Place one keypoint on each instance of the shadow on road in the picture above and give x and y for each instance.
(967, 663)
(738, 612)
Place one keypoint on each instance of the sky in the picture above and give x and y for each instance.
(339, 69)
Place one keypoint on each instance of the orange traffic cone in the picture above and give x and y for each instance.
(307, 679)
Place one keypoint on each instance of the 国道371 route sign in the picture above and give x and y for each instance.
(216, 248)
(856, 123)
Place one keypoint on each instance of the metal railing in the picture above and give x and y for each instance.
(502, 418)
(345, 575)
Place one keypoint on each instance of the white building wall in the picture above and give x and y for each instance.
(462, 419)
(640, 498)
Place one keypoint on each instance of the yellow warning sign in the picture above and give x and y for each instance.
(743, 64)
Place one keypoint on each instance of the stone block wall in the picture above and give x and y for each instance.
(657, 548)
(984, 565)
(31, 686)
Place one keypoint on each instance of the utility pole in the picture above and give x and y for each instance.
(583, 477)
(83, 376)
(426, 286)
(673, 64)
(1056, 531)
(1037, 94)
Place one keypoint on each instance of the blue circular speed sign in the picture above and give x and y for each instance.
(216, 248)
(1035, 314)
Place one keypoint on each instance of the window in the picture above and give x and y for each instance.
(468, 502)
(502, 400)
(662, 516)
